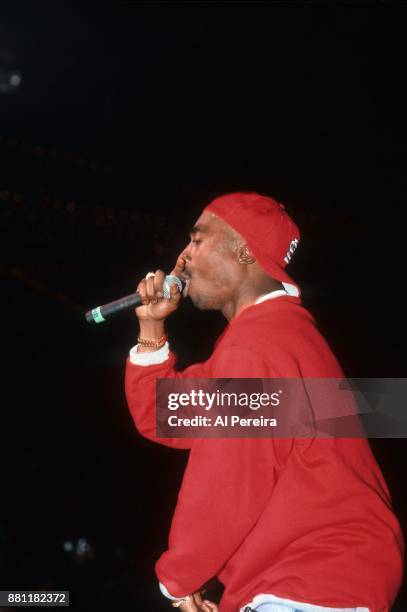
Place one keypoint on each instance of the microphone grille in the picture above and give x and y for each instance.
(171, 280)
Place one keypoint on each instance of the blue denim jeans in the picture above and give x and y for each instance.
(279, 607)
(273, 607)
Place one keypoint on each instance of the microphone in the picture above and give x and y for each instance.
(101, 313)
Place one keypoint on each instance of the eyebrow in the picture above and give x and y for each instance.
(197, 228)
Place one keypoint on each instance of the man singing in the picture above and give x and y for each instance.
(284, 524)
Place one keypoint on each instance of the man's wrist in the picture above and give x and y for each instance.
(178, 602)
(152, 336)
(155, 344)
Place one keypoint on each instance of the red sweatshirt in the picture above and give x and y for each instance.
(307, 519)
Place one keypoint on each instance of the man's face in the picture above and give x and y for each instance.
(211, 263)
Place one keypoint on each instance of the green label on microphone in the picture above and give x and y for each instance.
(97, 315)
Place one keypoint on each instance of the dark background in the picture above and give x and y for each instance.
(129, 117)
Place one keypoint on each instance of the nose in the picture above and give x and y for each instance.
(186, 254)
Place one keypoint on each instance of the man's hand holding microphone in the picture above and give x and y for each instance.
(155, 307)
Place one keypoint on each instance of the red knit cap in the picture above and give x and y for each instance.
(270, 233)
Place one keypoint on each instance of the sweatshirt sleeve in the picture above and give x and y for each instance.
(226, 482)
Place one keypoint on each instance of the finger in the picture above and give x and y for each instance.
(142, 290)
(179, 266)
(175, 295)
(158, 283)
(210, 607)
(197, 598)
(150, 289)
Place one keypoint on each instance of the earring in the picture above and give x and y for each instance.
(245, 256)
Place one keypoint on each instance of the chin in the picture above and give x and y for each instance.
(204, 302)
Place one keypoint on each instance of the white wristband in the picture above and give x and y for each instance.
(150, 358)
(167, 594)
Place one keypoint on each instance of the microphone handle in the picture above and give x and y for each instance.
(101, 313)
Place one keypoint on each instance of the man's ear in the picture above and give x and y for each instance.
(245, 255)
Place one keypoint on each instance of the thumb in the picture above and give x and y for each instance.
(175, 294)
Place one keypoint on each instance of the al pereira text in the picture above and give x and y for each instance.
(221, 421)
